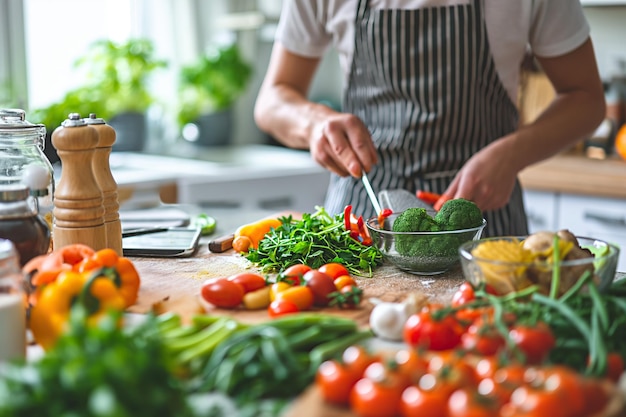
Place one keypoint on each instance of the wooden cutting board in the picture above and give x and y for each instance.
(174, 285)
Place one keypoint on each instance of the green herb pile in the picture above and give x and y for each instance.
(314, 240)
(96, 371)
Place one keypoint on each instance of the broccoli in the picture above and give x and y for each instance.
(454, 215)
(457, 214)
(415, 220)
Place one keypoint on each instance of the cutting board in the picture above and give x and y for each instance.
(174, 285)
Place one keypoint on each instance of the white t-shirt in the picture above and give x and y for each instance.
(548, 27)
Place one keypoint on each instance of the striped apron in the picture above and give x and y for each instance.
(425, 83)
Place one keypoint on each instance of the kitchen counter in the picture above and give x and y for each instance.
(576, 174)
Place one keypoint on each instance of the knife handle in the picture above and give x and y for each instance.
(221, 244)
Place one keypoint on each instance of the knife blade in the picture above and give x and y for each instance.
(370, 193)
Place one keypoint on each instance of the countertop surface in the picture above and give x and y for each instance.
(575, 174)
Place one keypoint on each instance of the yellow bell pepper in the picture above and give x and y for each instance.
(94, 292)
(249, 235)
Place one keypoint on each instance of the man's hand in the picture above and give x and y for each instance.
(343, 145)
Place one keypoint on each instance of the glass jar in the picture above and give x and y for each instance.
(21, 224)
(12, 304)
(22, 159)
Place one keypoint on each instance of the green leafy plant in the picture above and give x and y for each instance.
(212, 83)
(117, 78)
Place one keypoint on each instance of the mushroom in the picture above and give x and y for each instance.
(540, 244)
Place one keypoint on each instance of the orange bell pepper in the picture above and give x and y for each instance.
(120, 270)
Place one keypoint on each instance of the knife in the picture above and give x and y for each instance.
(370, 193)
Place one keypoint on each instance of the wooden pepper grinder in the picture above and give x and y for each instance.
(104, 178)
(78, 209)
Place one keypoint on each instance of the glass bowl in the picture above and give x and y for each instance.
(506, 276)
(420, 253)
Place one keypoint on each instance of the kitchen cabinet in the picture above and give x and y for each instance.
(599, 217)
(541, 210)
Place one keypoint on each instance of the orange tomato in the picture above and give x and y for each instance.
(344, 280)
(300, 295)
(334, 269)
(620, 142)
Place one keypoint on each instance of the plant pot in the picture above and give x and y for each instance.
(130, 129)
(212, 129)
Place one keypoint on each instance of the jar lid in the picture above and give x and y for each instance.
(14, 192)
(15, 119)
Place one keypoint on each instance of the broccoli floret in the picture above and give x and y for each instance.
(459, 213)
(415, 220)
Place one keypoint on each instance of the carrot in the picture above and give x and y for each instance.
(427, 196)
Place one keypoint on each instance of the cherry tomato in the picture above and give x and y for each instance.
(463, 295)
(483, 338)
(357, 358)
(249, 281)
(536, 401)
(615, 366)
(222, 293)
(321, 284)
(301, 296)
(535, 341)
(375, 398)
(468, 402)
(425, 331)
(411, 363)
(563, 379)
(335, 381)
(281, 307)
(278, 287)
(293, 274)
(343, 280)
(451, 372)
(334, 270)
(417, 402)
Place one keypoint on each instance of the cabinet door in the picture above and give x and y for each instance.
(602, 218)
(541, 210)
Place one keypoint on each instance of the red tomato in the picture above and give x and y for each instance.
(417, 402)
(615, 366)
(281, 307)
(334, 270)
(483, 338)
(343, 281)
(424, 331)
(537, 402)
(300, 295)
(411, 363)
(357, 358)
(467, 402)
(322, 286)
(335, 381)
(294, 274)
(463, 295)
(370, 398)
(249, 281)
(535, 342)
(222, 293)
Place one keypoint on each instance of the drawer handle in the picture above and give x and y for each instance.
(613, 221)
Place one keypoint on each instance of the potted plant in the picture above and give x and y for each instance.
(208, 90)
(116, 89)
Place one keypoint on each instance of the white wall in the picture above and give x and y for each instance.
(608, 31)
